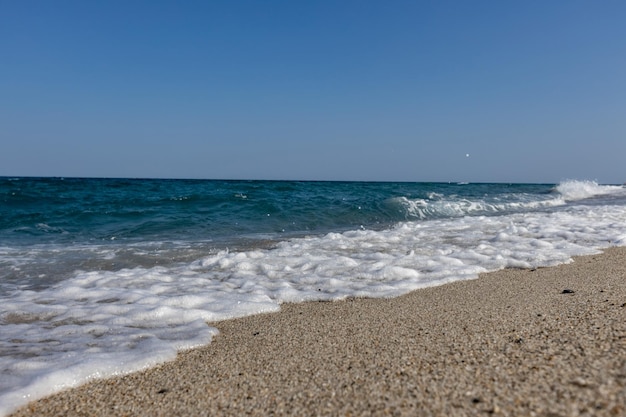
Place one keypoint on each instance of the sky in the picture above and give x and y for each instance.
(480, 91)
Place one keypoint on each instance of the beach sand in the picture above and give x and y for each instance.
(547, 342)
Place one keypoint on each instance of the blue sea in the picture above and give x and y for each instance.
(102, 277)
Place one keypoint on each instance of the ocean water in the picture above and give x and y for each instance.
(101, 277)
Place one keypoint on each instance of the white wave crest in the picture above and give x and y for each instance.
(455, 207)
(572, 190)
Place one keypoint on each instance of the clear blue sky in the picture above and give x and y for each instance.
(533, 91)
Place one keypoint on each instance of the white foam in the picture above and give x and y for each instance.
(104, 323)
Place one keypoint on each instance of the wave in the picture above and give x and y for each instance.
(572, 190)
(454, 207)
(436, 205)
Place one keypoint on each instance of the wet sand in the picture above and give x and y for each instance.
(546, 342)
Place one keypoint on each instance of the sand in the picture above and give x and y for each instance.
(546, 342)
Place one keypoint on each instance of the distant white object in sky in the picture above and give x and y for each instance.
(467, 155)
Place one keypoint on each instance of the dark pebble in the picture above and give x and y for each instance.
(567, 291)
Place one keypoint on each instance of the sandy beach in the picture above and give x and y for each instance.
(545, 342)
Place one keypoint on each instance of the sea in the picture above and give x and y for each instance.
(102, 277)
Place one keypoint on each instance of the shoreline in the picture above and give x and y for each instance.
(546, 341)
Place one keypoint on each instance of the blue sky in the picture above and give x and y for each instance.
(533, 91)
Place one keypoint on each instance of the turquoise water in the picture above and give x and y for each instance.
(53, 210)
(107, 276)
